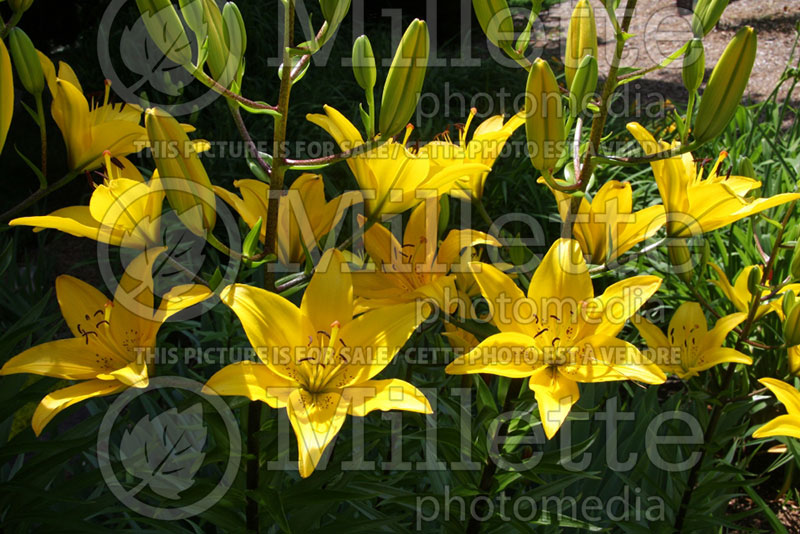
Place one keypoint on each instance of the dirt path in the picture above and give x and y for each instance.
(660, 29)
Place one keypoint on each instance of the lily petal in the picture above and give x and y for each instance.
(785, 393)
(505, 354)
(72, 359)
(252, 380)
(783, 425)
(316, 420)
(329, 296)
(271, 323)
(60, 399)
(555, 395)
(385, 395)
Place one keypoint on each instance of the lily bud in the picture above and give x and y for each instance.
(496, 22)
(333, 11)
(746, 168)
(26, 61)
(20, 6)
(6, 93)
(583, 85)
(544, 124)
(791, 327)
(726, 86)
(754, 281)
(694, 66)
(795, 265)
(404, 82)
(234, 30)
(706, 15)
(681, 259)
(166, 29)
(188, 188)
(364, 63)
(581, 38)
(788, 302)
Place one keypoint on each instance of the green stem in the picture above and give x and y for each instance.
(599, 122)
(490, 467)
(43, 136)
(716, 412)
(39, 194)
(270, 247)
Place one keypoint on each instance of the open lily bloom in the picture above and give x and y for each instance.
(783, 425)
(304, 216)
(90, 130)
(560, 334)
(391, 177)
(691, 347)
(125, 210)
(607, 227)
(417, 268)
(484, 147)
(318, 360)
(694, 203)
(740, 296)
(113, 339)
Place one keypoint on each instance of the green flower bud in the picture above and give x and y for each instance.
(754, 282)
(746, 168)
(188, 188)
(581, 38)
(795, 265)
(234, 30)
(726, 86)
(791, 327)
(496, 22)
(706, 15)
(166, 29)
(6, 93)
(26, 61)
(694, 65)
(544, 124)
(364, 63)
(583, 85)
(403, 85)
(334, 11)
(788, 302)
(20, 6)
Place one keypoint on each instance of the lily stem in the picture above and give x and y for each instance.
(270, 246)
(716, 412)
(490, 467)
(599, 122)
(37, 195)
(43, 136)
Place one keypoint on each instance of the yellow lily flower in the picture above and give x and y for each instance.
(392, 178)
(793, 355)
(783, 425)
(417, 268)
(560, 334)
(694, 203)
(484, 147)
(607, 227)
(318, 360)
(691, 347)
(124, 211)
(740, 295)
(90, 130)
(295, 229)
(460, 340)
(113, 339)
